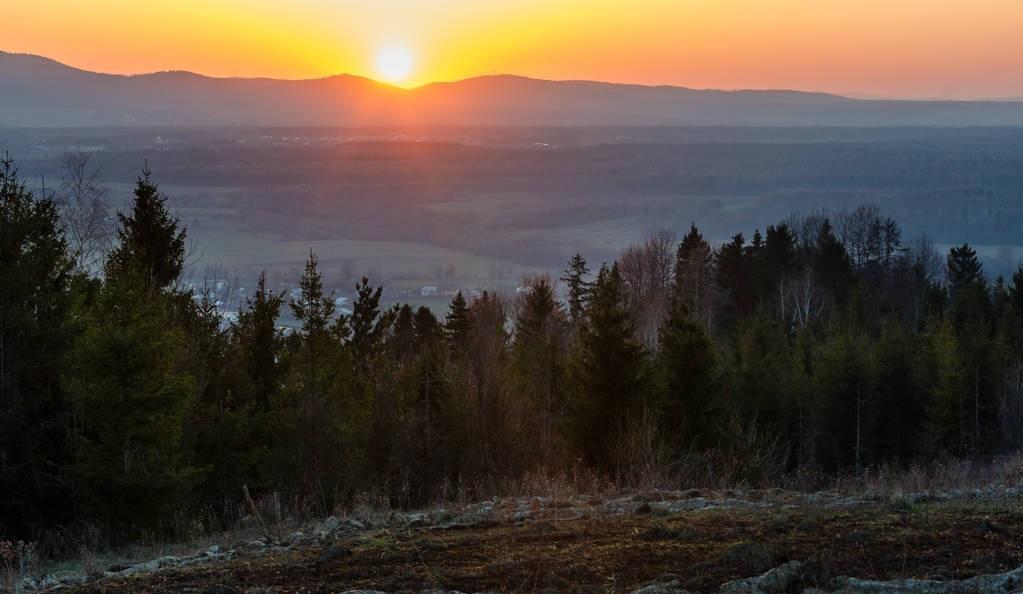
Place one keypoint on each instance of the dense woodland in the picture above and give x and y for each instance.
(828, 344)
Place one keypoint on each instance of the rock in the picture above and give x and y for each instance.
(334, 527)
(672, 587)
(256, 545)
(332, 553)
(416, 519)
(150, 566)
(776, 581)
(47, 582)
(643, 509)
(221, 589)
(1001, 583)
(751, 558)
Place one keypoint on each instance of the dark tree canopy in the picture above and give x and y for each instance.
(150, 239)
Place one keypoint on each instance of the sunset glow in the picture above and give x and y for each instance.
(911, 48)
(394, 64)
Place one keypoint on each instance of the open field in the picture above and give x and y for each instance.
(479, 208)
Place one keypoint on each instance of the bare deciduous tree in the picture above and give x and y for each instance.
(84, 212)
(648, 271)
(805, 301)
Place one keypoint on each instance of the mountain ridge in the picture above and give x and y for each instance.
(39, 91)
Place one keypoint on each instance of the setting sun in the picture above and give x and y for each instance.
(394, 64)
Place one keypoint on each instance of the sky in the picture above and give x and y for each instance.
(869, 48)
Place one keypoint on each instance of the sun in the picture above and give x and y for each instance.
(394, 63)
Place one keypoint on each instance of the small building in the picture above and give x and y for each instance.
(428, 291)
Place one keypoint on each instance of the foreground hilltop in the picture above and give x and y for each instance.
(36, 91)
(649, 542)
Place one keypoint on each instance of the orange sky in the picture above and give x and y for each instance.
(902, 48)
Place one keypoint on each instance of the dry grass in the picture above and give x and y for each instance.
(621, 553)
(87, 553)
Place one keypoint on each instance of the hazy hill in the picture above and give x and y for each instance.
(36, 91)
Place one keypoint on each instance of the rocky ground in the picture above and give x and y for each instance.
(653, 542)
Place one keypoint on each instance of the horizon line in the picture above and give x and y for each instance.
(854, 96)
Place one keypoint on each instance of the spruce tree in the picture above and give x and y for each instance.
(309, 414)
(457, 324)
(313, 308)
(694, 276)
(150, 240)
(428, 329)
(846, 400)
(733, 279)
(132, 401)
(607, 369)
(967, 288)
(687, 361)
(257, 343)
(945, 429)
(831, 264)
(366, 323)
(35, 332)
(402, 339)
(132, 379)
(539, 351)
(578, 288)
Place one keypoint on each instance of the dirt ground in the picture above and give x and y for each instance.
(701, 549)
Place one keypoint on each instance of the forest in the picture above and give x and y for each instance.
(826, 345)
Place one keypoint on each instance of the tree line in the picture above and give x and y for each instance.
(828, 344)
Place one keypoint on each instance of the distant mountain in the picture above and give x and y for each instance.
(36, 91)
